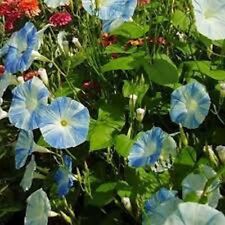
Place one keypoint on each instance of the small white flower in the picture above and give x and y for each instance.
(140, 113)
(44, 76)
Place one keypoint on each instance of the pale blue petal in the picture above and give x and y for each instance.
(4, 82)
(158, 198)
(193, 213)
(210, 18)
(38, 207)
(77, 123)
(24, 147)
(28, 175)
(28, 99)
(110, 9)
(63, 177)
(195, 183)
(189, 105)
(146, 150)
(18, 49)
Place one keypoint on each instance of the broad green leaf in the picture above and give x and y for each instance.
(162, 71)
(122, 63)
(38, 207)
(28, 175)
(180, 20)
(131, 30)
(106, 187)
(110, 121)
(123, 144)
(205, 68)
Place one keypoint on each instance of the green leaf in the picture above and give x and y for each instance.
(162, 71)
(106, 187)
(110, 122)
(180, 20)
(115, 48)
(123, 144)
(131, 30)
(122, 63)
(205, 68)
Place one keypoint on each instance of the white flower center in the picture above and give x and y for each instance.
(192, 105)
(31, 104)
(150, 149)
(209, 13)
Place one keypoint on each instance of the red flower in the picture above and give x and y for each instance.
(107, 39)
(60, 19)
(27, 75)
(2, 70)
(29, 7)
(143, 2)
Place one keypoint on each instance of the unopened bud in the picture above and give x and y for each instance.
(3, 114)
(222, 89)
(183, 136)
(43, 75)
(20, 79)
(133, 100)
(140, 113)
(76, 43)
(221, 153)
(212, 156)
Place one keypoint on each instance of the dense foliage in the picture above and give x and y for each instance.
(112, 112)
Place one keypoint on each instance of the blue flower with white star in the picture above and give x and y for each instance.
(147, 149)
(110, 9)
(64, 123)
(159, 197)
(189, 105)
(28, 99)
(24, 147)
(19, 48)
(64, 177)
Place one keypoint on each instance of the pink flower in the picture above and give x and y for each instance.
(59, 19)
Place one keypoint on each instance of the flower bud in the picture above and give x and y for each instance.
(221, 153)
(43, 75)
(76, 42)
(222, 89)
(133, 100)
(212, 156)
(20, 79)
(140, 113)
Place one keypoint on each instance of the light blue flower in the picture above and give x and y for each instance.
(210, 18)
(195, 183)
(28, 99)
(189, 105)
(147, 149)
(64, 123)
(110, 9)
(24, 147)
(5, 80)
(19, 48)
(159, 197)
(38, 208)
(188, 213)
(64, 177)
(110, 25)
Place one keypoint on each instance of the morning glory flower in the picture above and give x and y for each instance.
(189, 105)
(194, 184)
(5, 80)
(147, 149)
(64, 177)
(162, 204)
(188, 213)
(38, 208)
(28, 99)
(110, 9)
(210, 18)
(64, 123)
(19, 48)
(159, 197)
